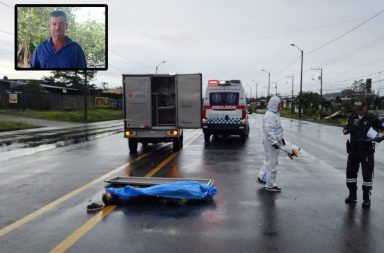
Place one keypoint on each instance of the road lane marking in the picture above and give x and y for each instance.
(81, 231)
(84, 229)
(5, 230)
(169, 158)
(161, 165)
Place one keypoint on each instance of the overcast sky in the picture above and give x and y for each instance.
(227, 39)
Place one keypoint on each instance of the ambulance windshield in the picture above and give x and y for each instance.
(224, 98)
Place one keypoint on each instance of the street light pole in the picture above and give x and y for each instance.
(269, 82)
(301, 80)
(256, 87)
(157, 66)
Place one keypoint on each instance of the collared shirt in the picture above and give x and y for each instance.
(358, 128)
(70, 55)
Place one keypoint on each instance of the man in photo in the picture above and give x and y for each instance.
(58, 51)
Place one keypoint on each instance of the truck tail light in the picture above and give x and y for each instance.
(243, 116)
(204, 116)
(204, 113)
(129, 133)
(173, 133)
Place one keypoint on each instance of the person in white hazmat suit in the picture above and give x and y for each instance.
(272, 141)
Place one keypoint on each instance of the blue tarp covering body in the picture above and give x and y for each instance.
(177, 190)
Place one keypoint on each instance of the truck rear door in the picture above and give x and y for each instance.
(137, 101)
(189, 99)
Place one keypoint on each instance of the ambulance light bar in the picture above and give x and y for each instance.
(217, 82)
(213, 82)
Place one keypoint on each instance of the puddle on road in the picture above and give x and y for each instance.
(19, 149)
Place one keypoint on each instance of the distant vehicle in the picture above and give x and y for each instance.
(225, 110)
(158, 107)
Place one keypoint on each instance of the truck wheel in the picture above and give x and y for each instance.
(206, 138)
(145, 146)
(181, 139)
(176, 144)
(243, 137)
(132, 143)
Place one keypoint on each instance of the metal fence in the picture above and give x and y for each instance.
(22, 101)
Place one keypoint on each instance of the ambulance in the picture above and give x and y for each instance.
(225, 110)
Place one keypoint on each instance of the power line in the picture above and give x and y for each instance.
(365, 65)
(9, 6)
(117, 68)
(134, 61)
(359, 77)
(6, 32)
(358, 50)
(288, 65)
(345, 33)
(287, 33)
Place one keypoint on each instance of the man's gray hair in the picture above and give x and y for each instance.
(58, 14)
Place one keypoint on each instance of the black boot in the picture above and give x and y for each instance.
(366, 203)
(352, 198)
(366, 198)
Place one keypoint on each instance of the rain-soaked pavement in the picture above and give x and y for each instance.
(26, 142)
(45, 194)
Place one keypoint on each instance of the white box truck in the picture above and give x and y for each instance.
(158, 107)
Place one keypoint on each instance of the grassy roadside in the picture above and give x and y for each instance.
(94, 115)
(6, 125)
(337, 121)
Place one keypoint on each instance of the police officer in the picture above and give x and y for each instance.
(360, 151)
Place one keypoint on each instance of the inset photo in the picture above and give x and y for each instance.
(61, 37)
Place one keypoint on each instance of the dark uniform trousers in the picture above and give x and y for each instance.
(360, 154)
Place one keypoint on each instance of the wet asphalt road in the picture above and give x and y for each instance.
(308, 216)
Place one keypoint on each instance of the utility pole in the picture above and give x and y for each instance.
(321, 89)
(379, 84)
(301, 85)
(301, 80)
(85, 97)
(292, 106)
(255, 87)
(275, 88)
(269, 82)
(321, 85)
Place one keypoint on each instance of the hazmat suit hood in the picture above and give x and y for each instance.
(273, 104)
